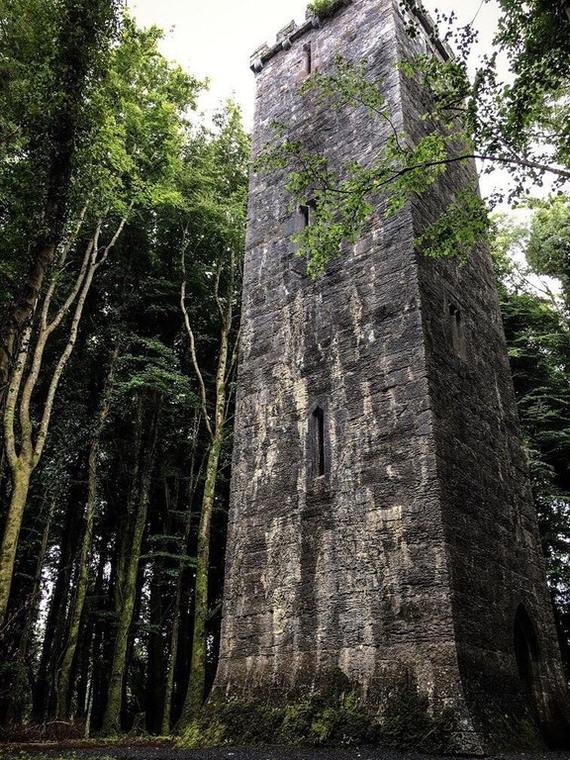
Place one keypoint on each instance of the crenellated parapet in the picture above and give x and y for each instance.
(287, 36)
(294, 31)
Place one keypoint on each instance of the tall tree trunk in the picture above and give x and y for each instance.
(82, 669)
(195, 471)
(79, 43)
(20, 486)
(55, 618)
(156, 652)
(64, 679)
(197, 679)
(166, 722)
(36, 595)
(112, 717)
(99, 654)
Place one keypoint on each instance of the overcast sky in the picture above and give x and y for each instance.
(215, 38)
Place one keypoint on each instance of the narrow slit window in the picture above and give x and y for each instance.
(308, 58)
(319, 433)
(306, 212)
(457, 329)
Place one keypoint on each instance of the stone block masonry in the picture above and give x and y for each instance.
(381, 517)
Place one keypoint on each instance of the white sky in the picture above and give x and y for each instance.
(215, 38)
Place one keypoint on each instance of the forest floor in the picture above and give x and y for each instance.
(165, 752)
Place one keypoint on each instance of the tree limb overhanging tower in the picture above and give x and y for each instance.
(381, 515)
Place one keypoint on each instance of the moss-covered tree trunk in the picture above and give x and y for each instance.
(82, 584)
(171, 667)
(197, 679)
(36, 594)
(20, 487)
(112, 715)
(54, 630)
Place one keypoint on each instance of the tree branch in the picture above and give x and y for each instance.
(190, 332)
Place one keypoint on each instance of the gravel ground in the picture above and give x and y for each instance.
(248, 753)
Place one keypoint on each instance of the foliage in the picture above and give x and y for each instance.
(459, 230)
(520, 120)
(548, 249)
(521, 124)
(323, 8)
(151, 366)
(538, 338)
(401, 171)
(183, 185)
(53, 57)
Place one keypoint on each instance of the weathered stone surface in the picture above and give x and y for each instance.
(419, 544)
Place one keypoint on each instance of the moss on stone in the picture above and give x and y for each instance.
(407, 721)
(528, 737)
(328, 718)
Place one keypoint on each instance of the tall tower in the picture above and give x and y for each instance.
(381, 516)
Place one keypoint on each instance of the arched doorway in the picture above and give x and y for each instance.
(527, 654)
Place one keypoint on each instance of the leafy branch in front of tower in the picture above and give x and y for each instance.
(344, 196)
(454, 129)
(520, 119)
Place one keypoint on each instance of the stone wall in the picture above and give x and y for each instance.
(493, 545)
(369, 568)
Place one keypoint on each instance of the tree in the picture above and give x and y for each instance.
(145, 452)
(46, 114)
(130, 160)
(24, 449)
(223, 211)
(548, 250)
(82, 583)
(538, 338)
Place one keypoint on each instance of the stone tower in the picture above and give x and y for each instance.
(381, 516)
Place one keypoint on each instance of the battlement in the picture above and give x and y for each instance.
(287, 36)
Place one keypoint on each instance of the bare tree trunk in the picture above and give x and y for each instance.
(197, 680)
(64, 679)
(24, 458)
(112, 717)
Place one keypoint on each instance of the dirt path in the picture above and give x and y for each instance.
(263, 753)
